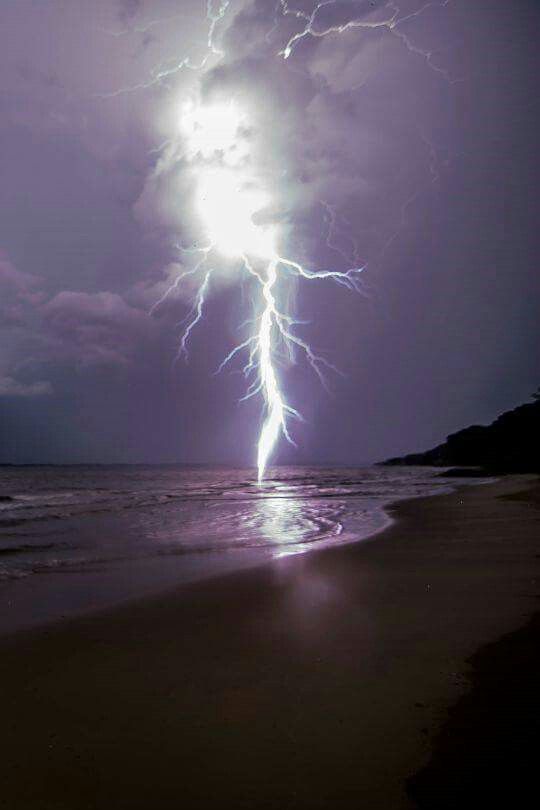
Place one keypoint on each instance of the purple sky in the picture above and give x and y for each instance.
(423, 137)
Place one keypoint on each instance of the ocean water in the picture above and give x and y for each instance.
(107, 533)
(45, 511)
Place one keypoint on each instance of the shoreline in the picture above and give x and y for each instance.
(94, 587)
(485, 753)
(316, 681)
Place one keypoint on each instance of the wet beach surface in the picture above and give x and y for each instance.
(318, 680)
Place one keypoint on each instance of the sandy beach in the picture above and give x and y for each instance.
(321, 680)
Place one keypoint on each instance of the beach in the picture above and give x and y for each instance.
(317, 680)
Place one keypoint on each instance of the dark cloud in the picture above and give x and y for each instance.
(96, 329)
(20, 298)
(409, 149)
(128, 9)
(14, 388)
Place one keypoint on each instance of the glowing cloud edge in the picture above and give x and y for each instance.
(227, 199)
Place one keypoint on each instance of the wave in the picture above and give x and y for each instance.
(28, 547)
(156, 512)
(11, 523)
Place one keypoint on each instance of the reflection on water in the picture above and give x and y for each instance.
(300, 512)
(286, 524)
(61, 517)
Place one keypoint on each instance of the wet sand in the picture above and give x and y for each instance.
(317, 681)
(486, 754)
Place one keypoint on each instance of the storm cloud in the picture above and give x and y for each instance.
(404, 142)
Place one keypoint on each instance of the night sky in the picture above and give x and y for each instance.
(422, 137)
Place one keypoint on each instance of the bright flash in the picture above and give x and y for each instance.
(213, 131)
(228, 203)
(230, 199)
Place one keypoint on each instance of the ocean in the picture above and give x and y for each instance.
(76, 538)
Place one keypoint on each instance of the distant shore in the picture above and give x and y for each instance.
(315, 681)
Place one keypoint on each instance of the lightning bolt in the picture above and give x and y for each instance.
(215, 14)
(272, 328)
(229, 197)
(195, 315)
(391, 24)
(276, 408)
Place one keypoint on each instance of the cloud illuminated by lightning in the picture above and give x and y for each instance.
(229, 199)
(216, 11)
(391, 24)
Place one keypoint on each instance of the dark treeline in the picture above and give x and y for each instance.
(511, 444)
